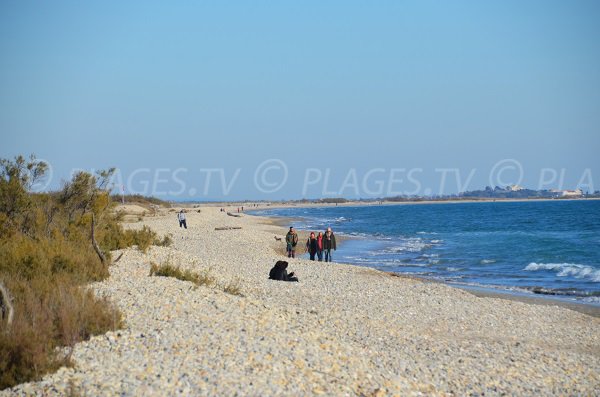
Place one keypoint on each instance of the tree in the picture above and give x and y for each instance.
(16, 179)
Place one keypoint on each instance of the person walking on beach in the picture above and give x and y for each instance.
(320, 246)
(312, 246)
(329, 244)
(291, 240)
(181, 218)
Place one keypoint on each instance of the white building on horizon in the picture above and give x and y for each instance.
(572, 193)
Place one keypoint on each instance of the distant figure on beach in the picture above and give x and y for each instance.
(279, 272)
(329, 244)
(320, 246)
(312, 246)
(291, 240)
(181, 218)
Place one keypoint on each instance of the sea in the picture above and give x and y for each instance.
(547, 248)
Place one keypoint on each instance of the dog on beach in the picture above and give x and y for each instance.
(277, 238)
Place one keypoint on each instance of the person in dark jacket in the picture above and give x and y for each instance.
(312, 246)
(329, 244)
(291, 240)
(279, 272)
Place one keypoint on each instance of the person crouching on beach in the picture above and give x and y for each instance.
(320, 246)
(291, 240)
(279, 272)
(312, 246)
(329, 244)
(181, 218)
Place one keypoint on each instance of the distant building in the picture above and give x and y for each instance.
(514, 188)
(572, 193)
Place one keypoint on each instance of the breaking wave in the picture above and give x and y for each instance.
(567, 269)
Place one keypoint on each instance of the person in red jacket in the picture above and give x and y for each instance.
(320, 246)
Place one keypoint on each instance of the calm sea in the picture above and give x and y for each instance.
(544, 247)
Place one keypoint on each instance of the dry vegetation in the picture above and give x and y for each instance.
(233, 288)
(142, 200)
(46, 259)
(166, 269)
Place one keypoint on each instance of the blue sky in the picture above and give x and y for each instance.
(336, 88)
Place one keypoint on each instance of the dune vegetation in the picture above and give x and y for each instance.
(51, 246)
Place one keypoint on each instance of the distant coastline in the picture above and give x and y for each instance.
(247, 204)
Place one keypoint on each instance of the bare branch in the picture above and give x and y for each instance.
(95, 244)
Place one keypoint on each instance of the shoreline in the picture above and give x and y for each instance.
(342, 330)
(589, 308)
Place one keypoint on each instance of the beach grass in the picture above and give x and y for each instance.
(233, 288)
(167, 269)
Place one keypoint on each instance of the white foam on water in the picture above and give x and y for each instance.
(356, 234)
(487, 261)
(567, 269)
(396, 263)
(410, 245)
(592, 299)
(326, 221)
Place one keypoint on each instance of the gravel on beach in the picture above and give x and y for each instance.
(342, 330)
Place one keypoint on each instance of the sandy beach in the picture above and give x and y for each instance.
(342, 330)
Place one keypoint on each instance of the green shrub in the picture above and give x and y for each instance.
(115, 238)
(143, 238)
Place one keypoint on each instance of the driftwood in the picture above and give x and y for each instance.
(228, 228)
(6, 308)
(95, 244)
(235, 215)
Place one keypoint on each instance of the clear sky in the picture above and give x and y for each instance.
(175, 93)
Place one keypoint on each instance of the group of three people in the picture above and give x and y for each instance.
(317, 246)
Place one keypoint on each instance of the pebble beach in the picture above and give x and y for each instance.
(343, 330)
